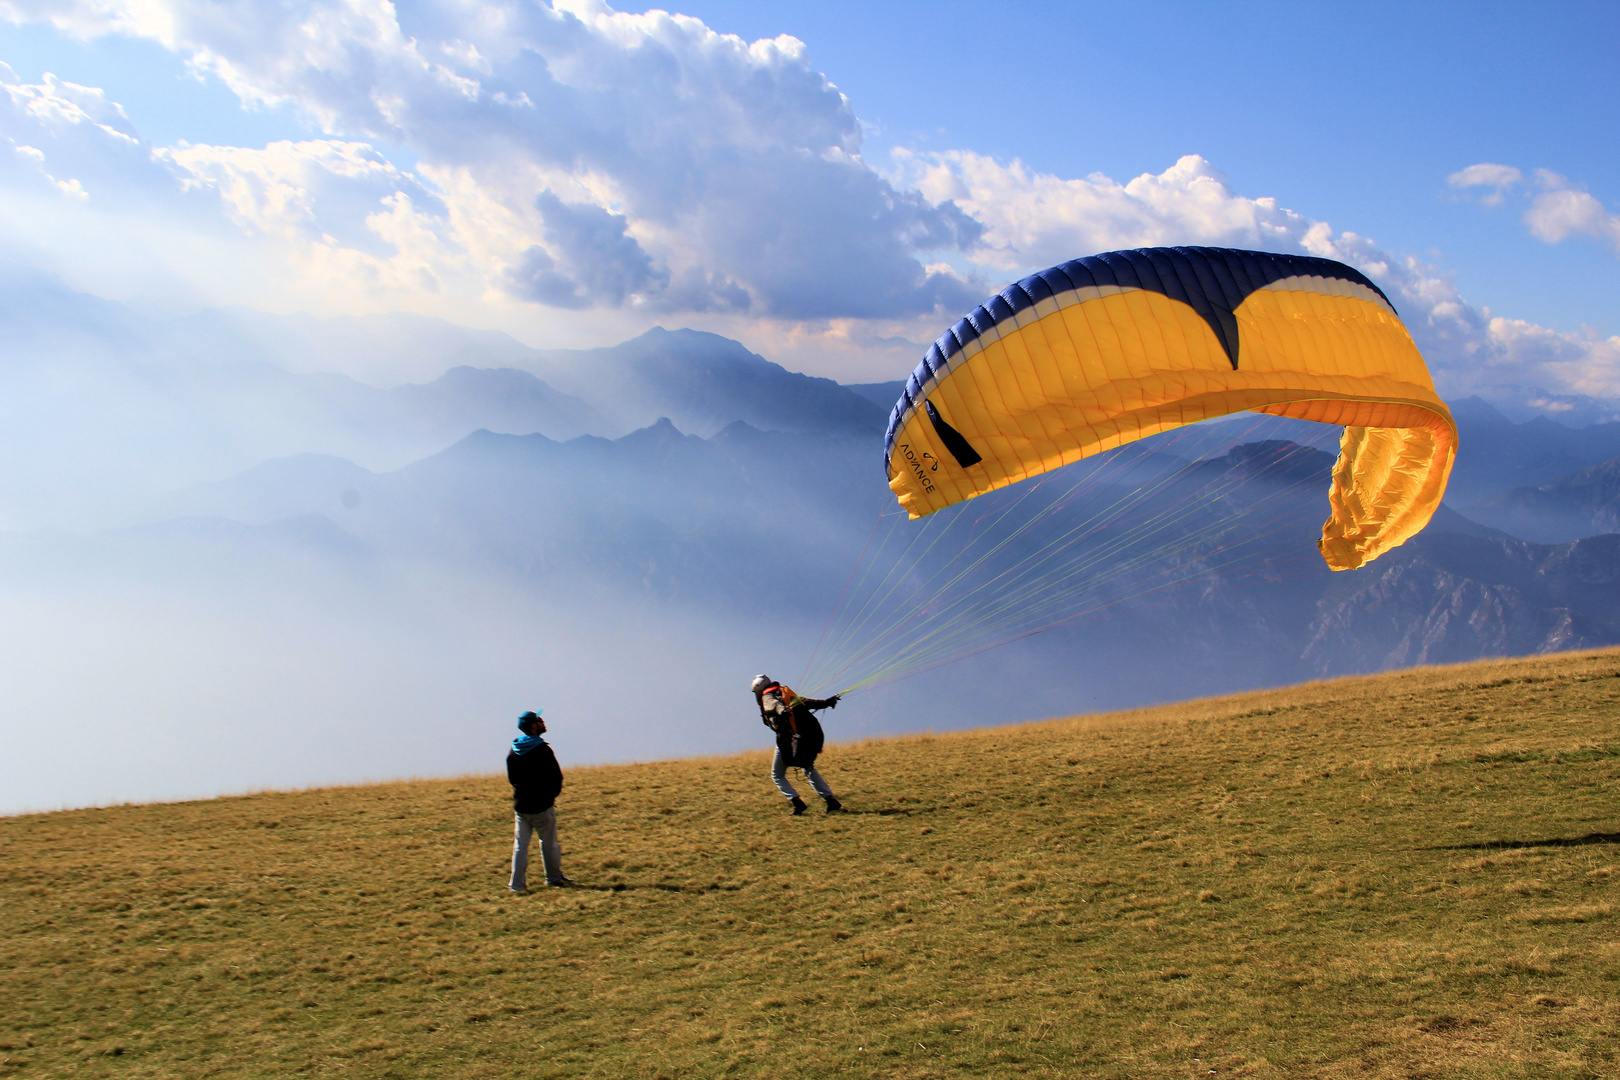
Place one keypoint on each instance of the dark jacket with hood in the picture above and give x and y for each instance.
(798, 732)
(536, 779)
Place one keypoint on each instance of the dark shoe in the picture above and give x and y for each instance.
(561, 883)
(798, 806)
(833, 805)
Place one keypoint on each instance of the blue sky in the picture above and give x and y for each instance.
(576, 175)
(1355, 113)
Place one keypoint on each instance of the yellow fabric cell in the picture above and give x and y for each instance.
(1024, 353)
(1090, 323)
(995, 419)
(1141, 333)
(1116, 368)
(1019, 389)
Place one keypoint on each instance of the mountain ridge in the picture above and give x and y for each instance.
(716, 522)
(1583, 503)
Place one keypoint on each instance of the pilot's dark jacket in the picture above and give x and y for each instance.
(536, 779)
(798, 732)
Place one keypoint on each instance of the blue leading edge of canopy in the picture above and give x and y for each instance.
(1212, 281)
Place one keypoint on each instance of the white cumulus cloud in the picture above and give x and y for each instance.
(60, 132)
(636, 159)
(1559, 208)
(1033, 220)
(1500, 179)
(339, 209)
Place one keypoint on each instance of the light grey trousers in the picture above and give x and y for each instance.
(779, 774)
(544, 823)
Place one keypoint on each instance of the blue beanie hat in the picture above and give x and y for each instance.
(523, 721)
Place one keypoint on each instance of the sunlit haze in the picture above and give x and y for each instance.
(335, 339)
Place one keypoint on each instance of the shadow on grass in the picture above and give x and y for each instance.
(888, 812)
(658, 886)
(1557, 841)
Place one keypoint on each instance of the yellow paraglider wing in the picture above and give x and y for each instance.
(1108, 349)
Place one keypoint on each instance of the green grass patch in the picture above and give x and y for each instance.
(1408, 875)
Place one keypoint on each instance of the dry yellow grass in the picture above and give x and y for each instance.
(1409, 875)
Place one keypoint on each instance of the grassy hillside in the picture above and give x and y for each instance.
(1409, 875)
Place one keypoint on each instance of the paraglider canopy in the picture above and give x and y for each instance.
(1108, 349)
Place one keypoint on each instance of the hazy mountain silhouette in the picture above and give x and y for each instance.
(1495, 453)
(107, 407)
(1584, 503)
(749, 519)
(466, 399)
(703, 382)
(881, 394)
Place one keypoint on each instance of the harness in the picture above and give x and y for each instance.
(788, 698)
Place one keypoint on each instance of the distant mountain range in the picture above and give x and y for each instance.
(720, 525)
(1583, 503)
(1495, 453)
(703, 383)
(108, 408)
(729, 475)
(198, 521)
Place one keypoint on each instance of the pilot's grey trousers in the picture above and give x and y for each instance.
(779, 774)
(544, 823)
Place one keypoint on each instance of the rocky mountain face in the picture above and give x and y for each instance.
(1445, 598)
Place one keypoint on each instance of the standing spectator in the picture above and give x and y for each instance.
(536, 782)
(798, 738)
